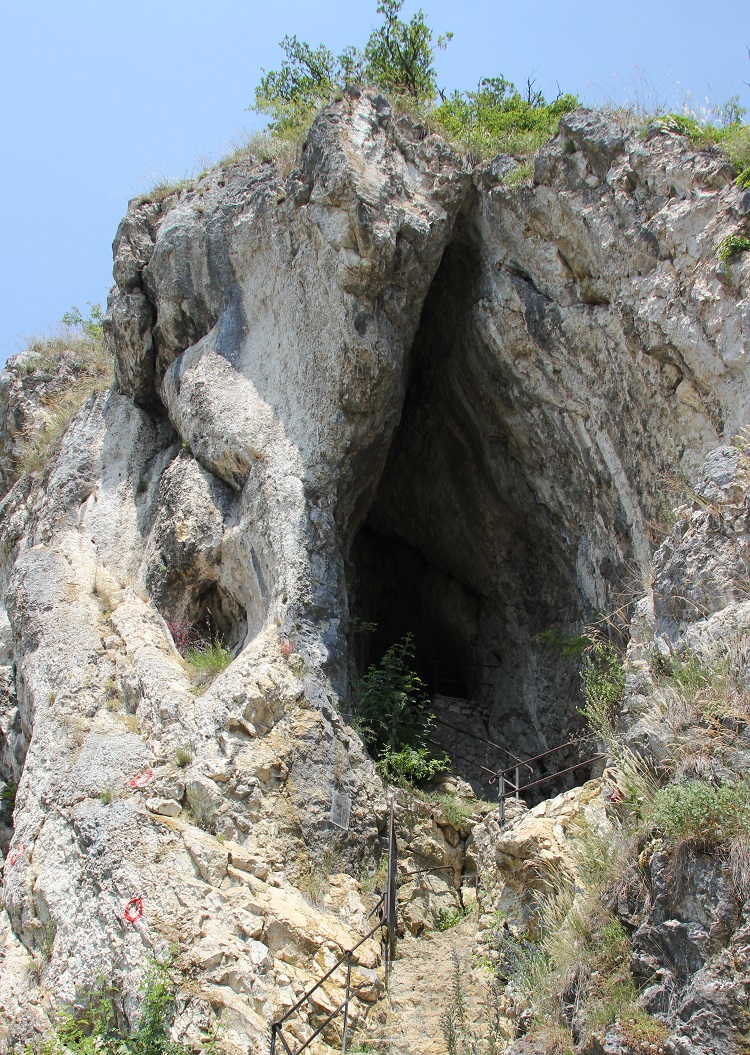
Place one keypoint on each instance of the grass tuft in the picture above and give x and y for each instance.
(89, 370)
(209, 658)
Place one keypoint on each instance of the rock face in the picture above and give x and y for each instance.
(691, 940)
(379, 388)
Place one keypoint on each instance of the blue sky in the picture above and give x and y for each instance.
(99, 100)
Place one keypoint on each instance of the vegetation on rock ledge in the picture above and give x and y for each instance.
(72, 367)
(92, 1029)
(398, 60)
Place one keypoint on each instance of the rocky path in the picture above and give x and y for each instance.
(420, 988)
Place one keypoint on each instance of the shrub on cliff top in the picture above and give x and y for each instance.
(398, 59)
(73, 366)
(497, 118)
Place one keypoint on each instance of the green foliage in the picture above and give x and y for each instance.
(570, 645)
(92, 1028)
(205, 815)
(459, 1038)
(457, 810)
(392, 704)
(396, 58)
(8, 799)
(394, 714)
(689, 673)
(374, 880)
(408, 766)
(604, 687)
(522, 173)
(90, 326)
(82, 362)
(183, 756)
(711, 816)
(727, 132)
(50, 933)
(497, 118)
(210, 657)
(447, 918)
(157, 1009)
(732, 246)
(165, 189)
(306, 81)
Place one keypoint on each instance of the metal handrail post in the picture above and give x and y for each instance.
(501, 796)
(273, 1038)
(346, 1005)
(518, 782)
(390, 909)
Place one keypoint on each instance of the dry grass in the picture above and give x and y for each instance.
(705, 704)
(285, 152)
(91, 370)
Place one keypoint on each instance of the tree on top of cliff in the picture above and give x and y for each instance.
(398, 58)
(398, 55)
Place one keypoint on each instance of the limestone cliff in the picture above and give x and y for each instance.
(384, 387)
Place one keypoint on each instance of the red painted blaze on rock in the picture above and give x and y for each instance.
(17, 854)
(142, 779)
(133, 910)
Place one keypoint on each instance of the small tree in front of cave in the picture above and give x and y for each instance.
(393, 709)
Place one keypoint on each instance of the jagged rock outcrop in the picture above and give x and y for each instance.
(381, 386)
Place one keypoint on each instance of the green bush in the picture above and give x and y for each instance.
(711, 816)
(457, 810)
(570, 645)
(497, 118)
(92, 372)
(210, 658)
(393, 711)
(397, 58)
(448, 918)
(91, 326)
(732, 246)
(8, 799)
(729, 134)
(408, 766)
(392, 703)
(604, 687)
(92, 1029)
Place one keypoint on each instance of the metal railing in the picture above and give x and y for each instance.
(509, 779)
(387, 921)
(511, 788)
(277, 1027)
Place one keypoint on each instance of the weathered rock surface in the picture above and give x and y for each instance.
(382, 387)
(691, 942)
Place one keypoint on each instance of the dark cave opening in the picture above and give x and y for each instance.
(458, 550)
(401, 593)
(209, 611)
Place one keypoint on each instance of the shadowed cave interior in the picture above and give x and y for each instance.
(457, 550)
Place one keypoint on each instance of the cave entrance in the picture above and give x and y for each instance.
(202, 612)
(458, 550)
